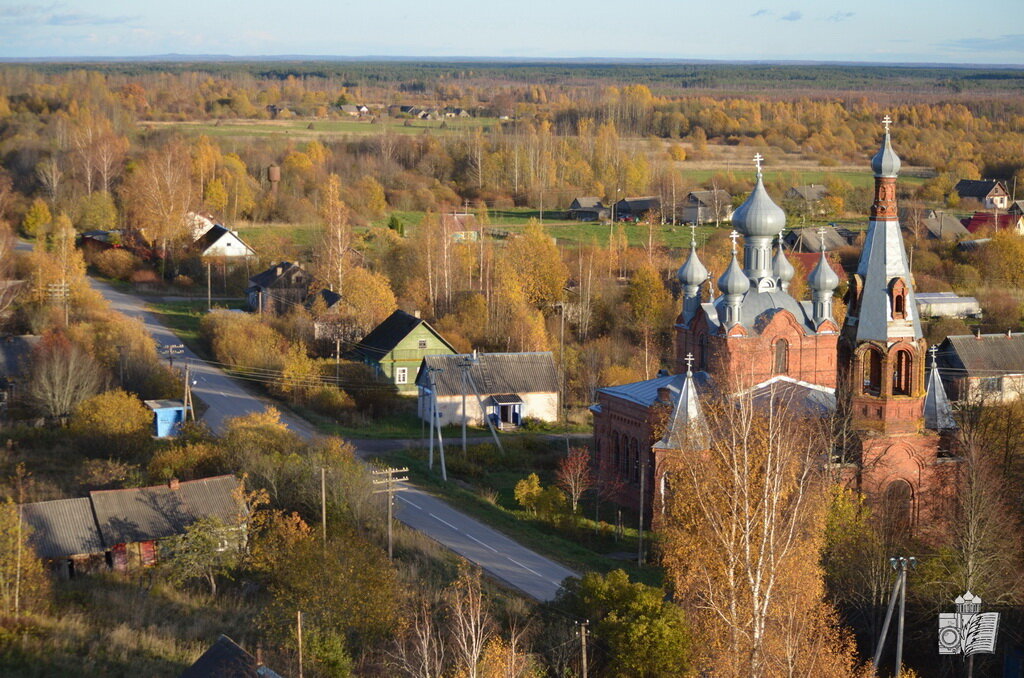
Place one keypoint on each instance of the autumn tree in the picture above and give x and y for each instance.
(543, 274)
(37, 219)
(333, 256)
(207, 550)
(470, 624)
(741, 543)
(158, 194)
(636, 632)
(574, 474)
(23, 583)
(114, 422)
(62, 375)
(650, 306)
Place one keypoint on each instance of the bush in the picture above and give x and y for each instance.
(144, 276)
(115, 422)
(116, 263)
(330, 401)
(528, 492)
(240, 339)
(185, 462)
(183, 282)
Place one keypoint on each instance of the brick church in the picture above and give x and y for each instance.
(757, 338)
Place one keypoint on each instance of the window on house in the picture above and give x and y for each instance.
(422, 343)
(781, 357)
(872, 364)
(902, 374)
(991, 384)
(401, 375)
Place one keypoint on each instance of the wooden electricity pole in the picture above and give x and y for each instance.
(583, 648)
(298, 634)
(390, 481)
(209, 288)
(323, 503)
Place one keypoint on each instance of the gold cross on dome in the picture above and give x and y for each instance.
(887, 121)
(689, 361)
(757, 161)
(734, 236)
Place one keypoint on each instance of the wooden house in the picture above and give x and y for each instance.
(588, 208)
(990, 193)
(637, 209)
(396, 348)
(278, 289)
(221, 242)
(120, 529)
(988, 367)
(701, 207)
(505, 387)
(226, 659)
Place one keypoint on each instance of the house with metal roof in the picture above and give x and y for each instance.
(701, 207)
(809, 193)
(219, 241)
(122, 527)
(983, 366)
(993, 221)
(947, 305)
(990, 193)
(505, 387)
(397, 346)
(809, 239)
(226, 659)
(637, 209)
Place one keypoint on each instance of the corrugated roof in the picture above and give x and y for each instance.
(587, 201)
(270, 276)
(147, 513)
(810, 192)
(492, 373)
(987, 355)
(63, 528)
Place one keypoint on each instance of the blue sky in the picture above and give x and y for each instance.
(868, 30)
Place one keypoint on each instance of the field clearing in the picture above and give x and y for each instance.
(313, 129)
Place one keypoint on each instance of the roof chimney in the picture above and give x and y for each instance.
(416, 313)
(664, 396)
(173, 483)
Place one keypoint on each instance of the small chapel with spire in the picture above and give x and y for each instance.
(755, 337)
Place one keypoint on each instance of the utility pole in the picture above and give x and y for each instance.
(298, 634)
(209, 288)
(899, 591)
(323, 503)
(189, 410)
(59, 291)
(464, 365)
(171, 350)
(583, 648)
(390, 481)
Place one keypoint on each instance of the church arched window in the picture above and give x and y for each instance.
(897, 510)
(635, 449)
(702, 352)
(902, 373)
(781, 357)
(898, 298)
(871, 362)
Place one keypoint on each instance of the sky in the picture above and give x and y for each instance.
(903, 31)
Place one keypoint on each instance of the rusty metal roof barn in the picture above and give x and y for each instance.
(492, 373)
(63, 528)
(147, 513)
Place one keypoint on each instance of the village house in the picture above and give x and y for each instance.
(278, 289)
(121, 529)
(507, 388)
(986, 367)
(810, 194)
(1016, 208)
(221, 242)
(990, 222)
(637, 209)
(396, 348)
(15, 352)
(990, 193)
(226, 659)
(588, 208)
(810, 239)
(932, 224)
(701, 207)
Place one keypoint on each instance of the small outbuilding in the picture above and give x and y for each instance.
(946, 305)
(168, 416)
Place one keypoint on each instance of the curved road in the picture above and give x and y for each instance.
(499, 556)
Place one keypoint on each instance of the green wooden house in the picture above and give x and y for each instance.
(397, 346)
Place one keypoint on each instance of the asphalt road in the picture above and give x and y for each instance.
(499, 556)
